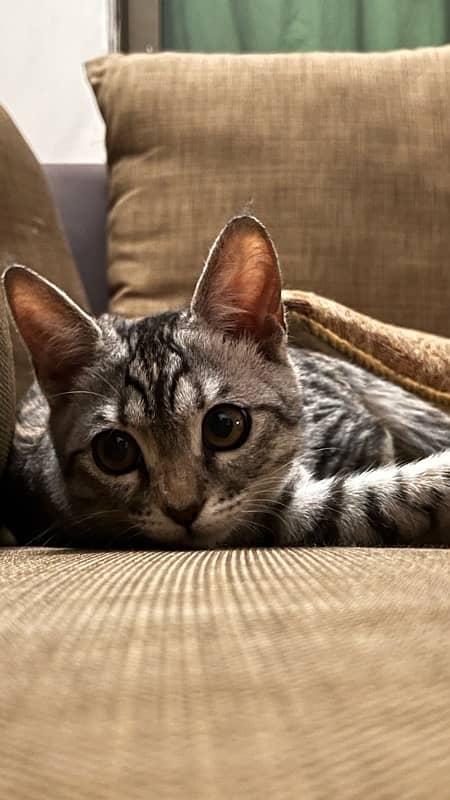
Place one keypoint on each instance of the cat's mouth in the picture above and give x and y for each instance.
(206, 537)
(244, 522)
(187, 537)
(185, 541)
(190, 539)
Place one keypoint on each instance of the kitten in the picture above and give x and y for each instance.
(202, 428)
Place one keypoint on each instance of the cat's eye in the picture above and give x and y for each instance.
(116, 452)
(225, 427)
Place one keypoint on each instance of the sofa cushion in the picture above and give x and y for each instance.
(30, 233)
(343, 156)
(79, 192)
(225, 674)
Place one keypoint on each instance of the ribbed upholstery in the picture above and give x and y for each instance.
(228, 674)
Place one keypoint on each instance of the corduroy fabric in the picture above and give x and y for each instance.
(310, 674)
(30, 233)
(345, 157)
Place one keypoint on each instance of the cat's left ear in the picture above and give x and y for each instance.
(239, 290)
(60, 336)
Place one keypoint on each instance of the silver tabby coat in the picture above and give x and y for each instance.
(202, 428)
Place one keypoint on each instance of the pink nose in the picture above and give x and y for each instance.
(183, 516)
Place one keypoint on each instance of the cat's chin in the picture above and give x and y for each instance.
(191, 541)
(237, 535)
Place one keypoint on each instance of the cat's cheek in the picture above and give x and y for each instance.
(88, 482)
(218, 519)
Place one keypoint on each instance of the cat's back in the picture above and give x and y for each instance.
(324, 375)
(341, 433)
(372, 420)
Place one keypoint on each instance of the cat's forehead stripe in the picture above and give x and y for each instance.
(137, 385)
(155, 364)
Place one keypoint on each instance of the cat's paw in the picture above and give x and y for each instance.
(6, 538)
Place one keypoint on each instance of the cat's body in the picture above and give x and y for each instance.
(201, 428)
(334, 420)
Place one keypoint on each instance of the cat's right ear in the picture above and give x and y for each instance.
(239, 290)
(60, 336)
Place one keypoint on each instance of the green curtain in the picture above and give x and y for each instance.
(261, 26)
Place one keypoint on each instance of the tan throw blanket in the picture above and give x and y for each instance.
(416, 360)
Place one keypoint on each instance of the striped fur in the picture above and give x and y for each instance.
(335, 455)
(317, 470)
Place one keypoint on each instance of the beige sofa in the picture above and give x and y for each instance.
(226, 674)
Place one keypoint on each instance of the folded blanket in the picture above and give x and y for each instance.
(416, 360)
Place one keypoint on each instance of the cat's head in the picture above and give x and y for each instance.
(184, 425)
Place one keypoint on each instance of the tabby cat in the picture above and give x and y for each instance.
(202, 428)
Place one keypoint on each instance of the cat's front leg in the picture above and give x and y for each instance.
(392, 505)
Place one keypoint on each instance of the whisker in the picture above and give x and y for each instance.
(74, 522)
(125, 533)
(79, 391)
(96, 374)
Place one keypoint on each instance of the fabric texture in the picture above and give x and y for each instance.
(30, 233)
(225, 674)
(79, 192)
(243, 26)
(7, 385)
(417, 361)
(342, 156)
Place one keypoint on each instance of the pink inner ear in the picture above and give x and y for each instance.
(240, 287)
(60, 337)
(43, 324)
(252, 278)
(37, 322)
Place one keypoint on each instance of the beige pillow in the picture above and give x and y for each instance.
(29, 229)
(343, 156)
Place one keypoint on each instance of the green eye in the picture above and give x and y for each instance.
(115, 452)
(225, 427)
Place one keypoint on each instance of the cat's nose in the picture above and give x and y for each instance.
(183, 516)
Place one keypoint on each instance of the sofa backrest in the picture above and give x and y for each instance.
(79, 191)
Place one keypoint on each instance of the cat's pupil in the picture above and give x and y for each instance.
(222, 424)
(116, 447)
